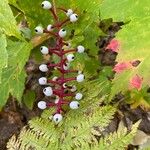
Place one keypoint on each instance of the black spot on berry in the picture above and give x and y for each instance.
(56, 119)
(42, 5)
(63, 30)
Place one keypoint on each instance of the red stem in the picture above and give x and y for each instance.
(58, 50)
(54, 14)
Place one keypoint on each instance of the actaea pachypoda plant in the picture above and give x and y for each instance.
(66, 57)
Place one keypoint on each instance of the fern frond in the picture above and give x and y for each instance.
(118, 140)
(82, 130)
(13, 143)
(31, 140)
(78, 129)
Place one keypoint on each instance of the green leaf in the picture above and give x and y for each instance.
(3, 53)
(29, 98)
(12, 83)
(18, 53)
(7, 20)
(13, 77)
(133, 38)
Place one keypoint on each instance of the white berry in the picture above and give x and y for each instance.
(65, 85)
(48, 91)
(46, 5)
(69, 12)
(80, 49)
(43, 81)
(80, 78)
(74, 105)
(43, 68)
(78, 96)
(62, 33)
(39, 30)
(50, 27)
(44, 50)
(73, 17)
(73, 89)
(54, 78)
(57, 118)
(70, 57)
(66, 66)
(42, 105)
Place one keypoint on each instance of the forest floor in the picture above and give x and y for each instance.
(14, 116)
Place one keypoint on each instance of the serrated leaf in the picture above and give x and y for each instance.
(18, 53)
(133, 38)
(13, 77)
(7, 20)
(12, 83)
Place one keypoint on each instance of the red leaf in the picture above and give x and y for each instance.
(136, 82)
(113, 45)
(120, 67)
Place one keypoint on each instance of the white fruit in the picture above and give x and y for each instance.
(44, 50)
(80, 78)
(73, 17)
(57, 118)
(50, 27)
(42, 105)
(62, 33)
(78, 96)
(54, 78)
(74, 105)
(48, 91)
(80, 49)
(73, 89)
(70, 57)
(43, 68)
(65, 85)
(46, 5)
(66, 66)
(42, 81)
(39, 30)
(69, 12)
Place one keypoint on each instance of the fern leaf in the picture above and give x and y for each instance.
(118, 140)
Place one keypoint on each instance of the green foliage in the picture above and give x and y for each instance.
(43, 134)
(14, 55)
(133, 38)
(15, 52)
(8, 23)
(86, 30)
(118, 140)
(13, 76)
(78, 130)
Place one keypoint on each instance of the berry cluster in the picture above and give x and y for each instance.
(66, 57)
